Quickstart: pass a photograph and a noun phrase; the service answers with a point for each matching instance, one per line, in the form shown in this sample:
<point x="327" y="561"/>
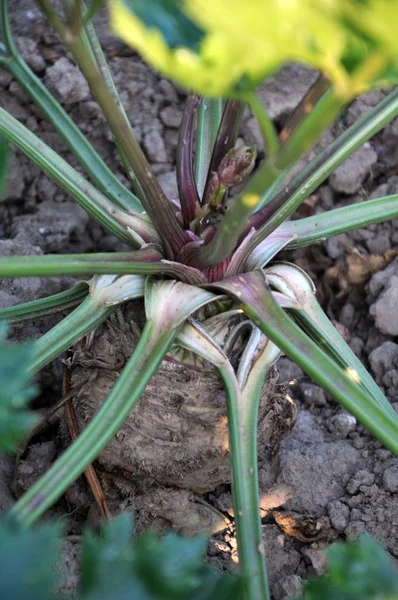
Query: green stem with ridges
<point x="4" y="160"/>
<point x="167" y="305"/>
<point x="306" y="105"/>
<point x="242" y="427"/>
<point x="151" y="194"/>
<point x="5" y="30"/>
<point x="266" y="125"/>
<point x="144" y="362"/>
<point x="309" y="130"/>
<point x="246" y="445"/>
<point x="118" y="263"/>
<point x="313" y="321"/>
<point x="62" y="336"/>
<point x="319" y="169"/>
<point x="99" y="57"/>
<point x="295" y="283"/>
<point x="339" y="220"/>
<point x="70" y="133"/>
<point x="242" y="407"/>
<point x="235" y="220"/>
<point x="209" y="119"/>
<point x="270" y="193"/>
<point x="260" y="306"/>
<point x="86" y="195"/>
<point x="45" y="306"/>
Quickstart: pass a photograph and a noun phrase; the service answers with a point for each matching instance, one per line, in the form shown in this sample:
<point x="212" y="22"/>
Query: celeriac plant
<point x="119" y="564"/>
<point x="211" y="247"/>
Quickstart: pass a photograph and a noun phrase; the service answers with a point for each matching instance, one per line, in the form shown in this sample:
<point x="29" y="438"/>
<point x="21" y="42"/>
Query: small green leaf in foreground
<point x="357" y="570"/>
<point x="15" y="392"/>
<point x="114" y="565"/>
<point x="27" y="561"/>
<point x="170" y="568"/>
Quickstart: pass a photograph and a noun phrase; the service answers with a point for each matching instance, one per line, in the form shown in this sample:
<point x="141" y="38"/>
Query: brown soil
<point x="329" y="479"/>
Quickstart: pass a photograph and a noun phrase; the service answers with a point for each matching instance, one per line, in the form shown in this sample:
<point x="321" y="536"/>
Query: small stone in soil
<point x="66" y="82"/>
<point x="339" y="514"/>
<point x="168" y="182"/>
<point x="384" y="310"/>
<point x="289" y="587"/>
<point x="281" y="557"/>
<point x="390" y="479"/>
<point x="288" y="371"/>
<point x="348" y="177"/>
<point x="317" y="559"/>
<point x="383" y="358"/>
<point x="313" y="395"/>
<point x="342" y="424"/>
<point x="30" y="53"/>
<point x="171" y="116"/>
<point x="38" y="460"/>
<point x="360" y="478"/>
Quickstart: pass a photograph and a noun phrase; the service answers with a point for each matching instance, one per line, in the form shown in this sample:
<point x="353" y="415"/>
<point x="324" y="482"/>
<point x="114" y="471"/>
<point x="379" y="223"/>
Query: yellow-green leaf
<point x="208" y="70"/>
<point x="217" y="46"/>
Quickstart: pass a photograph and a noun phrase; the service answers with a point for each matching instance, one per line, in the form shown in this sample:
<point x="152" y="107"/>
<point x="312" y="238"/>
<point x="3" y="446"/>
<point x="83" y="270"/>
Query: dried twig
<point x="90" y="473"/>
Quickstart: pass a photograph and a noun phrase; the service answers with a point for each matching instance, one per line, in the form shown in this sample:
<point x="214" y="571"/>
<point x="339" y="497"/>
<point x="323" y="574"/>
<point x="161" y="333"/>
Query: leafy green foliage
<point x="27" y="561"/>
<point x="15" y="392"/>
<point x="106" y="561"/>
<point x="112" y="567"/>
<point x="360" y="569"/>
<point x="171" y="568"/>
<point x="237" y="41"/>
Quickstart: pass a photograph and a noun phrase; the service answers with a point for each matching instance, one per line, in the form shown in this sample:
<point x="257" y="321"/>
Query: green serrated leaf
<point x="360" y="569"/>
<point x="170" y="568"/>
<point x="27" y="561"/>
<point x="112" y="566"/>
<point x="107" y="561"/>
<point x="173" y="568"/>
<point x="178" y="564"/>
<point x="15" y="392"/>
